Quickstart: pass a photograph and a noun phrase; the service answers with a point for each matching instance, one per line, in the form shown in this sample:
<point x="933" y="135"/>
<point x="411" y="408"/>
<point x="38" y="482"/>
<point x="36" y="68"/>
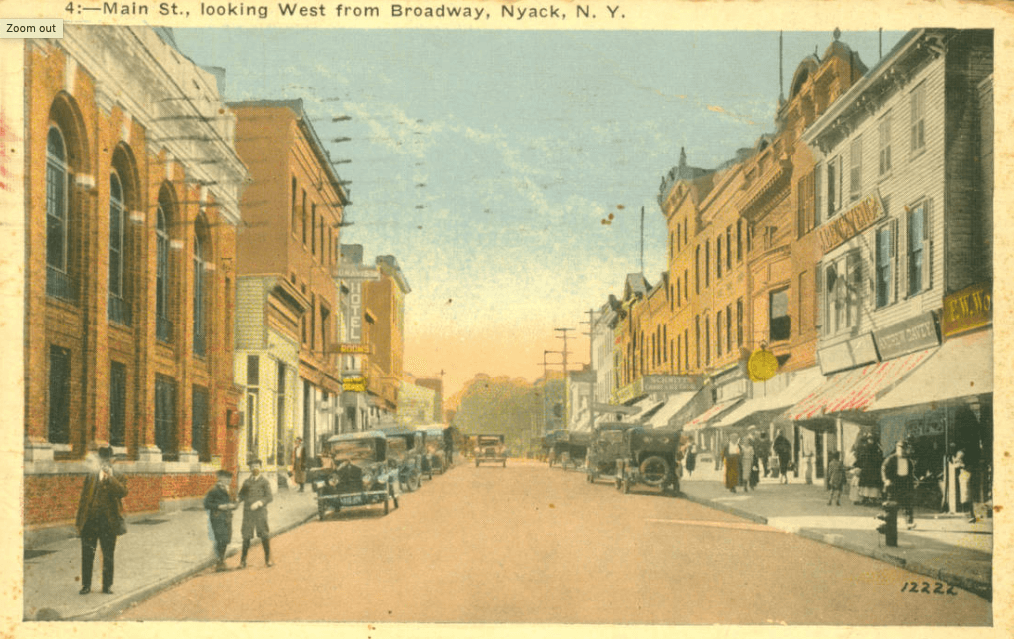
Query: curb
<point x="972" y="585"/>
<point x="117" y="606"/>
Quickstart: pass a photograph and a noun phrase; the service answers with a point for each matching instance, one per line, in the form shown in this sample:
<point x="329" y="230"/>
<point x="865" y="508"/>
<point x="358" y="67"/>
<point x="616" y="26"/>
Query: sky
<point x="487" y="162"/>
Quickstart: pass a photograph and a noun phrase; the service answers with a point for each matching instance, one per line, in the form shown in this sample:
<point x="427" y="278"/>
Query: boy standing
<point x="219" y="505"/>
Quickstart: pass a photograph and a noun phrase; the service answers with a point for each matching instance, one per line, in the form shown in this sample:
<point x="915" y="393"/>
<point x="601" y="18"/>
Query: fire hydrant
<point x="889" y="529"/>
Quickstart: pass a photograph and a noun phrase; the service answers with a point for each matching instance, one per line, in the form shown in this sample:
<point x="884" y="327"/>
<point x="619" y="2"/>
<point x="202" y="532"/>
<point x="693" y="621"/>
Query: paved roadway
<point x="533" y="544"/>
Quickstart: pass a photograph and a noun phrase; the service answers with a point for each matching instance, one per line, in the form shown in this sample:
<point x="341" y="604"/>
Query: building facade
<point x="384" y="331"/>
<point x="288" y="363"/>
<point x="133" y="186"/>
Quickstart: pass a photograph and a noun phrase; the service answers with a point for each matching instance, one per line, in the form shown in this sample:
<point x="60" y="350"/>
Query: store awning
<point x="643" y="406"/>
<point x="714" y="412"/>
<point x="672" y="406"/>
<point x="856" y="389"/>
<point x="802" y="385"/>
<point x="963" y="366"/>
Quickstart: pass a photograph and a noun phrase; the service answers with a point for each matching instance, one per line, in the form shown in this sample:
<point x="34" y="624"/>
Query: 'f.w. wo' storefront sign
<point x="842" y="228"/>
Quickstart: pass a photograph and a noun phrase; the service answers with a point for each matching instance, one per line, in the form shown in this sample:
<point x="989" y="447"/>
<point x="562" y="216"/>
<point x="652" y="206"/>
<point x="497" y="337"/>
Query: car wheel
<point x="655" y="471"/>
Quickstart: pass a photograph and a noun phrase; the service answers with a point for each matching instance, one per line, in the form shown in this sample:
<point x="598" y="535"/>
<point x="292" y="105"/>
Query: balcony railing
<point x="59" y="285"/>
<point x="163" y="329"/>
<point x="119" y="311"/>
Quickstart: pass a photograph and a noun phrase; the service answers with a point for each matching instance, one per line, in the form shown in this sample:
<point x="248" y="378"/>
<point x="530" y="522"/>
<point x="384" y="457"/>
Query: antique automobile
<point x="605" y="449"/>
<point x="650" y="457"/>
<point x="404" y="452"/>
<point x="577" y="449"/>
<point x="354" y="471"/>
<point x="436" y="458"/>
<point x="558" y="446"/>
<point x="490" y="448"/>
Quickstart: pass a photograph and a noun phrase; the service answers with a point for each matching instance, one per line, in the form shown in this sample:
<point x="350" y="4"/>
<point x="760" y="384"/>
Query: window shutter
<point x="927" y="276"/>
<point x="894" y="261"/>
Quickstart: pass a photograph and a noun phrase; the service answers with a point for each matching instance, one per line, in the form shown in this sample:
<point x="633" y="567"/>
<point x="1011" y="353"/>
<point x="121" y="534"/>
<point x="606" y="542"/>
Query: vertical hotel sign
<point x="968" y="309"/>
<point x="857" y="219"/>
<point x="355" y="276"/>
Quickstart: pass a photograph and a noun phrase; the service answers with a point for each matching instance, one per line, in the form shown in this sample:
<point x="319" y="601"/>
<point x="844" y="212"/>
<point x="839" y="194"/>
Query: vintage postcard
<point x="462" y="318"/>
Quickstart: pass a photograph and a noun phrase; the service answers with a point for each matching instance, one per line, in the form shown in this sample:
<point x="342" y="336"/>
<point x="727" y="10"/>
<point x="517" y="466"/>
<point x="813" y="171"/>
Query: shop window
<point x="779" y="321"/>
<point x="59" y="395"/>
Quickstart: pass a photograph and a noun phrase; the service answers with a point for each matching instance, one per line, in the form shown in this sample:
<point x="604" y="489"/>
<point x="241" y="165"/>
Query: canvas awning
<point x="857" y="389"/>
<point x="672" y="406"/>
<point x="802" y="385"/>
<point x="963" y="366"/>
<point x="714" y="412"/>
<point x="643" y="406"/>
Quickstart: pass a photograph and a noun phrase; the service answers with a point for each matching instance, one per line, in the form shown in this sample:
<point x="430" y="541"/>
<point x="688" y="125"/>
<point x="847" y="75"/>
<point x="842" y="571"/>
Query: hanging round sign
<point x="762" y="365"/>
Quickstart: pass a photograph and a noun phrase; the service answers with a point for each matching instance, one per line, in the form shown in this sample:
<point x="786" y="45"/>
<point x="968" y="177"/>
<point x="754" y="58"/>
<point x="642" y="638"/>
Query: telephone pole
<point x="566" y="402"/>
<point x="591" y="368"/>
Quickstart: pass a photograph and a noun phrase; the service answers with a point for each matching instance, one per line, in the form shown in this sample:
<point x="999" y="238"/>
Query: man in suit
<point x="98" y="521"/>
<point x="219" y="505"/>
<point x="255" y="495"/>
<point x="898" y="472"/>
<point x="299" y="463"/>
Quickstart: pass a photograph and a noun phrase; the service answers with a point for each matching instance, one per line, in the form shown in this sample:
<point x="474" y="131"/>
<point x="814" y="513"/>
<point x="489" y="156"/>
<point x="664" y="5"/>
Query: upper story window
<point x="917" y="232"/>
<point x="118" y="311"/>
<point x="295" y="209"/>
<point x="884" y="133"/>
<point x="739" y="240"/>
<point x="697" y="270"/>
<point x="833" y="186"/>
<point x="57" y="281"/>
<point x="779" y="321"/>
<point x="163" y="326"/>
<point x="707" y="262"/>
<point x="886" y="243"/>
<point x="718" y="257"/>
<point x="201" y="256"/>
<point x="728" y="248"/>
<point x="856" y="168"/>
<point x="917" y="122"/>
<point x="842" y="299"/>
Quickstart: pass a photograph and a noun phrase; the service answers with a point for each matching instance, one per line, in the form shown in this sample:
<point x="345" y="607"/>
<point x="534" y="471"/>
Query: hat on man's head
<point x="254" y="462"/>
<point x="224" y="474"/>
<point x="105" y="452"/>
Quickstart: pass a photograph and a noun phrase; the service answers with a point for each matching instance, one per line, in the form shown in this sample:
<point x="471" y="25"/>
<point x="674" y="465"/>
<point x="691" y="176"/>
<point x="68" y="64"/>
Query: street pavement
<point x="164" y="549"/>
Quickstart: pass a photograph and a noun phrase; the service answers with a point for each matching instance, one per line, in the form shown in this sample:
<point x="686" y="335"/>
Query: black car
<point x="437" y="457"/>
<point x="578" y="443"/>
<point x="651" y="457"/>
<point x="558" y="446"/>
<point x="354" y="471"/>
<point x="405" y="451"/>
<point x="605" y="449"/>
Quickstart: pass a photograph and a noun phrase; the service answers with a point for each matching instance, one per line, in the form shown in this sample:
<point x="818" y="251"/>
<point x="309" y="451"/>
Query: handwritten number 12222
<point x="938" y="588"/>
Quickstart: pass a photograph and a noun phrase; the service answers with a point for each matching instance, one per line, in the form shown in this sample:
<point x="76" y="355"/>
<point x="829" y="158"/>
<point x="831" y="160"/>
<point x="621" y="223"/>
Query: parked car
<point x="490" y="448"/>
<point x="405" y="451"/>
<point x="354" y="471"/>
<point x="651" y="457"/>
<point x="577" y="449"/>
<point x="436" y="458"/>
<point x="605" y="449"/>
<point x="558" y="446"/>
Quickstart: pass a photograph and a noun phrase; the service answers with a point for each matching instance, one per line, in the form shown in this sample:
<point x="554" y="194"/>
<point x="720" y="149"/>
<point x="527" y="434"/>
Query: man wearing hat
<point x="255" y="495"/>
<point x="99" y="516"/>
<point x="898" y="472"/>
<point x="219" y="505"/>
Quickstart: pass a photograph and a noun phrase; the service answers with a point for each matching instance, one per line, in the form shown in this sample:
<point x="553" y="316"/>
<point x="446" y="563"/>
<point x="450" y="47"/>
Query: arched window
<point x="163" y="326"/>
<point x="201" y="254"/>
<point x="119" y="310"/>
<point x="58" y="283"/>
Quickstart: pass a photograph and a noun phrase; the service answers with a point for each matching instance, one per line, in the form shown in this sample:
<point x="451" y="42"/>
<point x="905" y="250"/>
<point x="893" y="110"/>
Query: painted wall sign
<point x="670" y="384"/>
<point x="914" y="334"/>
<point x="844" y="227"/>
<point x="969" y="308"/>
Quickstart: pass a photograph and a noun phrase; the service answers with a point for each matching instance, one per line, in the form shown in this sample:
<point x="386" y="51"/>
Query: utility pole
<point x="565" y="352"/>
<point x="545" y="386"/>
<point x="591" y="368"/>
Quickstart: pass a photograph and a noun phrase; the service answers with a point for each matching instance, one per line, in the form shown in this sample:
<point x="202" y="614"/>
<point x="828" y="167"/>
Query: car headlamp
<point x="367" y="479"/>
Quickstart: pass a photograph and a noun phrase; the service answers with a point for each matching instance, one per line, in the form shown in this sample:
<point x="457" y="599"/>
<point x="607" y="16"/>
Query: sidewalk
<point x="158" y="550"/>
<point x="943" y="547"/>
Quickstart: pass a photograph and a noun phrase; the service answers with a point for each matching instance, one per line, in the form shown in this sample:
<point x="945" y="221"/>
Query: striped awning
<point x="856" y="389"/>
<point x="714" y="412"/>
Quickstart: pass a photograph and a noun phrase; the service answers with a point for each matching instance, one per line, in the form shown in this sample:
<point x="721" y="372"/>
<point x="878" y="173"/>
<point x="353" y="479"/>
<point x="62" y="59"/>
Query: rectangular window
<point x="697" y="340"/>
<point x="917" y="123"/>
<point x="679" y="353"/>
<point x="199" y="424"/>
<point x="686" y="349"/>
<point x="801" y="298"/>
<point x="718" y="258"/>
<point x="856" y="169"/>
<point x="686" y="284"/>
<point x="280" y="457"/>
<point x="817" y="173"/>
<point x="739" y="240"/>
<point x="117" y="404"/>
<point x="885" y="259"/>
<point x="854" y="268"/>
<point x="707" y="341"/>
<point x="832" y="183"/>
<point x="304" y="217"/>
<point x="780" y="323"/>
<point x="679" y="292"/>
<point x="917" y="233"/>
<point x="165" y="414"/>
<point x="728" y="248"/>
<point x="697" y="270"/>
<point x="718" y="334"/>
<point x="728" y="328"/>
<point x="707" y="262"/>
<point x="665" y="340"/>
<point x="253" y="370"/>
<point x="313" y="228"/>
<point x="885" y="144"/>
<point x="59" y="395"/>
<point x="739" y="322"/>
<point x="295" y="210"/>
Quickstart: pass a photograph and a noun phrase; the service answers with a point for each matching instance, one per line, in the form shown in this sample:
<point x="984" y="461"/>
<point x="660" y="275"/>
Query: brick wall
<point x="53" y="499"/>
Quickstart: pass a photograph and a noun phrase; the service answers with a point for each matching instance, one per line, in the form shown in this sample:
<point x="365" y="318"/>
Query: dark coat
<point x="835" y="478"/>
<point x="869" y="458"/>
<point x="782" y="447"/>
<point x="890" y="470"/>
<point x="254" y="490"/>
<point x="100" y="502"/>
<point x="221" y="520"/>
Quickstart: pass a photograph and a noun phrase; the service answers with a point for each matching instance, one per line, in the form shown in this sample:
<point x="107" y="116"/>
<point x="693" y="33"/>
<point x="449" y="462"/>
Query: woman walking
<point x="746" y="462"/>
<point x="730" y="457"/>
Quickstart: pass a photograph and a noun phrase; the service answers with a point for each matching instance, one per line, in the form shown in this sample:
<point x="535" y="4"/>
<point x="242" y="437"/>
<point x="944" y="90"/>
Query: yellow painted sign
<point x="762" y="365"/>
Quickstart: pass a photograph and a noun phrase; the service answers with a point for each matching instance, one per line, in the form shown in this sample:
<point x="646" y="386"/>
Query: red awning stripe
<point x="855" y="390"/>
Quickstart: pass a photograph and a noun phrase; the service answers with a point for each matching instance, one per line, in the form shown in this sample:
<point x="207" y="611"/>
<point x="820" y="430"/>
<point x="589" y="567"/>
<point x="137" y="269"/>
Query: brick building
<point x="289" y="303"/>
<point x="132" y="201"/>
<point x="384" y="331"/>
